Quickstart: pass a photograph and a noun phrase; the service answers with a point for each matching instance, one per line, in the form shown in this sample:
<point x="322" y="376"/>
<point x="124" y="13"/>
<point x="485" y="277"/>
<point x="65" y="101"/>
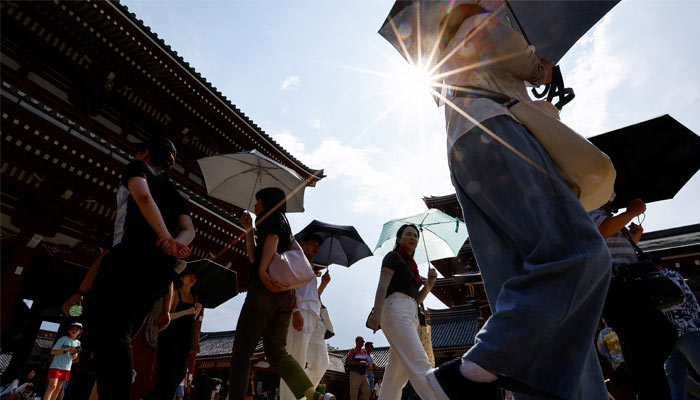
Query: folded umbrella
<point x="215" y="285"/>
<point x="340" y="244"/>
<point x="441" y="236"/>
<point x="653" y="159"/>
<point x="235" y="178"/>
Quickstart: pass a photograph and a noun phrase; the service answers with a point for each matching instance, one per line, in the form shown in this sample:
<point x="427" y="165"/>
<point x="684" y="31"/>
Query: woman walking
<point x="268" y="307"/>
<point x="179" y="339"/>
<point x="544" y="265"/>
<point x="396" y="308"/>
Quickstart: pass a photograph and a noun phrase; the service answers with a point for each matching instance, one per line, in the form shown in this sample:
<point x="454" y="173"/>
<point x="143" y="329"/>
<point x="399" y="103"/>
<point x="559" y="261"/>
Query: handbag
<point x="291" y="268"/>
<point x="588" y="171"/>
<point x="425" y="335"/>
<point x="327" y="323"/>
<point x="648" y="282"/>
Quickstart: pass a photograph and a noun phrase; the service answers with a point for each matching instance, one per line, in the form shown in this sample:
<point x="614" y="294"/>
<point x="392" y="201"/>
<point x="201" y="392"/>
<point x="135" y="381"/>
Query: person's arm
<point x="247" y="223"/>
<point x="269" y="250"/>
<point x="138" y="188"/>
<point x="375" y="317"/>
<point x="185" y="236"/>
<point x="432" y="277"/>
<point x="612" y="225"/>
<point x="519" y="57"/>
<point x="85" y="285"/>
<point x="164" y="317"/>
<point x="175" y="315"/>
<point x="325" y="280"/>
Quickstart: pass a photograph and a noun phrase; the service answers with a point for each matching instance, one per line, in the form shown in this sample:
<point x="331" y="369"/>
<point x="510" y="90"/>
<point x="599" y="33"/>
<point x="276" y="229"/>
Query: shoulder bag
<point x="291" y="268"/>
<point x="644" y="278"/>
<point x="425" y="334"/>
<point x="589" y="171"/>
<point x="327" y="323"/>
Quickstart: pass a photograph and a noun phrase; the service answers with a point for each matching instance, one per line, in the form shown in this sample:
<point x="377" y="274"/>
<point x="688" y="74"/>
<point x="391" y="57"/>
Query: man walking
<point x="357" y="364"/>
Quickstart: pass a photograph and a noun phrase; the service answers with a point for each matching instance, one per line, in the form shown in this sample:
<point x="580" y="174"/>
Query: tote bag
<point x="589" y="171"/>
<point x="291" y="268"/>
<point x="326" y="319"/>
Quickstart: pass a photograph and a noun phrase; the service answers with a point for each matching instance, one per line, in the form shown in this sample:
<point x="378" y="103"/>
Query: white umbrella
<point x="235" y="178"/>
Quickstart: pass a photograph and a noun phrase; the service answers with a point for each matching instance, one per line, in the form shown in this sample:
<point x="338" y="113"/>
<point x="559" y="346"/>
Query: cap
<point x="76" y="324"/>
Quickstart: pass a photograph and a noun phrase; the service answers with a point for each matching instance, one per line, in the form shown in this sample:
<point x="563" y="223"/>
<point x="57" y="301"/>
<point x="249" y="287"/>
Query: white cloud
<point x="316" y="124"/>
<point x="291" y="82"/>
<point x="596" y="73"/>
<point x="290" y="142"/>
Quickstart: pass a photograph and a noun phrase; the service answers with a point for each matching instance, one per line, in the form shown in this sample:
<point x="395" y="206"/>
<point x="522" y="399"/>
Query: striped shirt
<point x="621" y="249"/>
<point x="686" y="315"/>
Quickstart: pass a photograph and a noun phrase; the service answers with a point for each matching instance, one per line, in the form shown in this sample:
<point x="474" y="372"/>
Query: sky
<point x="316" y="76"/>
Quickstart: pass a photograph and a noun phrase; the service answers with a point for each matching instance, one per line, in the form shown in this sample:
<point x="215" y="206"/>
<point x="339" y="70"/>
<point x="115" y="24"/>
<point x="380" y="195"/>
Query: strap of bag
<point x="291" y="236"/>
<point x="640" y="253"/>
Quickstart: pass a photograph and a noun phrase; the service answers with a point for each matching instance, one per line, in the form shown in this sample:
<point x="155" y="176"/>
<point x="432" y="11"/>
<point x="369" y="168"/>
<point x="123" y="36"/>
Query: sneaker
<point x="448" y="383"/>
<point x="326" y="396"/>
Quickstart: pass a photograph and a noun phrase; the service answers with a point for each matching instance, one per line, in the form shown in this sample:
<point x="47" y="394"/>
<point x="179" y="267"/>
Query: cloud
<point x="384" y="182"/>
<point x="597" y="72"/>
<point x="316" y="124"/>
<point x="290" y="142"/>
<point x="291" y="82"/>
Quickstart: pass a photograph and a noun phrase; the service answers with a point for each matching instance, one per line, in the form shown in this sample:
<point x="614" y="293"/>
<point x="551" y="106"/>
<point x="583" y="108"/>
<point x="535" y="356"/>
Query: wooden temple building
<point x="82" y="83"/>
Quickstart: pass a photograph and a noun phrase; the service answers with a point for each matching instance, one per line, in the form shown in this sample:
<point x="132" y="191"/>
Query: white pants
<point x="309" y="349"/>
<point x="407" y="358"/>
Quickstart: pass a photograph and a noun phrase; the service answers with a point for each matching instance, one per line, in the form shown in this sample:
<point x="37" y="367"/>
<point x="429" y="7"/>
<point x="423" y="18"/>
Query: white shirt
<point x="307" y="297"/>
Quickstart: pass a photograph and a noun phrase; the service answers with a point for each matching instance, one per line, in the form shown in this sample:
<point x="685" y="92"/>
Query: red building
<point x="83" y="82"/>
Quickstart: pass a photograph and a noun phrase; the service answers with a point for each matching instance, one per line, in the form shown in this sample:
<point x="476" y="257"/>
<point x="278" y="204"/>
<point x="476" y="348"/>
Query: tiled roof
<point x="216" y="344"/>
<point x="670" y="238"/>
<point x="335" y="363"/>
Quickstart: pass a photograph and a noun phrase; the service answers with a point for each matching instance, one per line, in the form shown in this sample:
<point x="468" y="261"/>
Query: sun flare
<point x="413" y="82"/>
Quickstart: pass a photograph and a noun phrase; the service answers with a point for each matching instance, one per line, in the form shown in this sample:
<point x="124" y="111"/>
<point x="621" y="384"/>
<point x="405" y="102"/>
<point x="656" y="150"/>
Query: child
<point x="65" y="351"/>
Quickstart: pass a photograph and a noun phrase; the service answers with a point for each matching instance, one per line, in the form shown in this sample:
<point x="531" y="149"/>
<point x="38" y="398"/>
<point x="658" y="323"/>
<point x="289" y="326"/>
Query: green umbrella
<point x="441" y="236"/>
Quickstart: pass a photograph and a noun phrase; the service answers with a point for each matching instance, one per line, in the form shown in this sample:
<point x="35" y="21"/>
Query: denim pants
<point x="407" y="358"/>
<point x="545" y="266"/>
<point x="686" y="353"/>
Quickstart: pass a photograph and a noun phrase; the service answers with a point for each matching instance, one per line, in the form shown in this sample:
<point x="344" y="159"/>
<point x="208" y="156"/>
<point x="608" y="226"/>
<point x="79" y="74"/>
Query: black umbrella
<point x="553" y="26"/>
<point x="215" y="284"/>
<point x="340" y="244"/>
<point x="653" y="159"/>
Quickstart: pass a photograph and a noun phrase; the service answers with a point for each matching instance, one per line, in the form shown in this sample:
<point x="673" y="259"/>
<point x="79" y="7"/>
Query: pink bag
<point x="291" y="268"/>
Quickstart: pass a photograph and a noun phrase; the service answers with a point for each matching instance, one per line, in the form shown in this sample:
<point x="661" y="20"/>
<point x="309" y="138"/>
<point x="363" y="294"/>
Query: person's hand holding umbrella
<point x="636" y="232"/>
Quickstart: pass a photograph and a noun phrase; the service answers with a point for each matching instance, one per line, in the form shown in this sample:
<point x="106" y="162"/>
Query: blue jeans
<point x="685" y="354"/>
<point x="545" y="267"/>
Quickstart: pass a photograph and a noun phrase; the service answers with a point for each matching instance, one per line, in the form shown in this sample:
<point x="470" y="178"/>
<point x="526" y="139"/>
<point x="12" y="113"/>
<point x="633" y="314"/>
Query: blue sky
<point x="317" y="77"/>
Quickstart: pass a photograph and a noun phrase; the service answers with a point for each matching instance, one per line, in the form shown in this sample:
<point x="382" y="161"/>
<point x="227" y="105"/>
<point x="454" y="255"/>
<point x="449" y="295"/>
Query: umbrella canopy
<point x="215" y="284"/>
<point x="653" y="159"/>
<point x="441" y="236"/>
<point x="553" y="27"/>
<point x="235" y="178"/>
<point x="340" y="244"/>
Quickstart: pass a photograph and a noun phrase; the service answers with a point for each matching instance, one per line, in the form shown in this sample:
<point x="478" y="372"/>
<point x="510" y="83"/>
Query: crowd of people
<point x="550" y="271"/>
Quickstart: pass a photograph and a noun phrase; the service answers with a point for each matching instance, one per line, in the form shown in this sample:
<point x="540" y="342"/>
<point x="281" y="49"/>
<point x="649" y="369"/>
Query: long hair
<point x="400" y="232"/>
<point x="273" y="199"/>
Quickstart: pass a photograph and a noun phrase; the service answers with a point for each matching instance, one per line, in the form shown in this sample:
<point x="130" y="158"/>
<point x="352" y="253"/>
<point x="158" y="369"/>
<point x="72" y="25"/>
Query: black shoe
<point x="448" y="383"/>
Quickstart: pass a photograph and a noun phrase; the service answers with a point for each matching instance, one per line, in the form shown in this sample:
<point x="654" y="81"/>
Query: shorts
<point x="60" y="374"/>
<point x="180" y="391"/>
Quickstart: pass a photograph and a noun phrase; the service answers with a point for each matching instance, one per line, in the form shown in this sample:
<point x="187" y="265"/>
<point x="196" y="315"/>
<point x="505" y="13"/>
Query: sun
<point x="413" y="82"/>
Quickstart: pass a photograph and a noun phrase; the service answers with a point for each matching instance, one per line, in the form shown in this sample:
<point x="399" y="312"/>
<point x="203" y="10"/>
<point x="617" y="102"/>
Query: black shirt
<point x="403" y="280"/>
<point x="171" y="204"/>
<point x="274" y="223"/>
